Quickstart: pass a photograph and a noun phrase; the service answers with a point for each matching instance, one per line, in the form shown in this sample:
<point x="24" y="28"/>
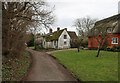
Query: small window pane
<point x="65" y="43"/>
<point x="65" y="36"/>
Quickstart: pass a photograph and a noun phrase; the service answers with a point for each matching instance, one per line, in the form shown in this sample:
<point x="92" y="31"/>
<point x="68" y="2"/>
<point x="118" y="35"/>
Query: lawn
<point x="86" y="67"/>
<point x="15" y="69"/>
<point x="32" y="47"/>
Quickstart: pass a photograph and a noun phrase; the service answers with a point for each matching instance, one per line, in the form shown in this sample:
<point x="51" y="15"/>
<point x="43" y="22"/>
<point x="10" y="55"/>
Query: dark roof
<point x="73" y="35"/>
<point x="112" y="18"/>
<point x="111" y="22"/>
<point x="55" y="35"/>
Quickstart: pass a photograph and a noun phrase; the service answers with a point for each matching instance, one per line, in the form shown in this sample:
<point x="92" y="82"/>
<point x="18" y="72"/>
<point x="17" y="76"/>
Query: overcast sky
<point x="66" y="11"/>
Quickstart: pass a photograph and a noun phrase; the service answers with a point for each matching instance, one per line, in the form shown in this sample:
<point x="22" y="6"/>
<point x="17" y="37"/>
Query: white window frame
<point x="113" y="42"/>
<point x="109" y="30"/>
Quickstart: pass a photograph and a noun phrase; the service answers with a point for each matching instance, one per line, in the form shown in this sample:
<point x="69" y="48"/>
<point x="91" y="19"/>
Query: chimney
<point x="50" y="30"/>
<point x="66" y="29"/>
<point x="58" y="28"/>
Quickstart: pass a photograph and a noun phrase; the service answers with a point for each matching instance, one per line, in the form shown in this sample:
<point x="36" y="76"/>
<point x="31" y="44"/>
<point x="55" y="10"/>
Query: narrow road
<point x="46" y="68"/>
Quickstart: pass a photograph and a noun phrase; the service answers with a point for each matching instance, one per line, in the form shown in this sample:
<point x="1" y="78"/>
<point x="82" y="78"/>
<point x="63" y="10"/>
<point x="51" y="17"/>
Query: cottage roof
<point x="55" y="35"/>
<point x="73" y="35"/>
<point x="111" y="22"/>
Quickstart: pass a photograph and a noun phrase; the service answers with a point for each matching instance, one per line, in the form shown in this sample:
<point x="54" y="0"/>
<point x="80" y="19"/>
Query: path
<point x="46" y="68"/>
<point x="60" y="50"/>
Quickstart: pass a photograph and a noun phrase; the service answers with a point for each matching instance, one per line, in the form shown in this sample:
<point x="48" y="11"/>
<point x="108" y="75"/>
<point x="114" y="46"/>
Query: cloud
<point x="67" y="11"/>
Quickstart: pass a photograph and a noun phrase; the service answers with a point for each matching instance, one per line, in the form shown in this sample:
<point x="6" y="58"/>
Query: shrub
<point x="114" y="48"/>
<point x="84" y="43"/>
<point x="108" y="49"/>
<point x="38" y="44"/>
<point x="81" y="47"/>
<point x="31" y="42"/>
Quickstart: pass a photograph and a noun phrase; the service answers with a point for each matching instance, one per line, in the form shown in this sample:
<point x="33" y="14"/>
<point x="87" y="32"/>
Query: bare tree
<point x="18" y="18"/>
<point x="44" y="18"/>
<point x="84" y="25"/>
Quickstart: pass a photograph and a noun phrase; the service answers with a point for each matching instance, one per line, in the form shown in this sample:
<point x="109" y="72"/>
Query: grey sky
<point x="67" y="11"/>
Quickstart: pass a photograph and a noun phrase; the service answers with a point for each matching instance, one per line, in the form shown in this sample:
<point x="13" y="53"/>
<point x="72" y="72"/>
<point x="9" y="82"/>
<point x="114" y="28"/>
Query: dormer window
<point x="65" y="36"/>
<point x="109" y="30"/>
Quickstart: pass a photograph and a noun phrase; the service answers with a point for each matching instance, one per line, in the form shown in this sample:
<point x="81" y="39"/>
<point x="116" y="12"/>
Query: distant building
<point x="60" y="39"/>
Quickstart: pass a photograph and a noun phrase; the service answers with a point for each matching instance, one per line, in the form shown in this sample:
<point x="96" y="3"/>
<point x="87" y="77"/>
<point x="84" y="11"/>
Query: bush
<point x="81" y="47"/>
<point x="108" y="49"/>
<point x="84" y="43"/>
<point x="114" y="48"/>
<point x="38" y="45"/>
<point x="31" y="42"/>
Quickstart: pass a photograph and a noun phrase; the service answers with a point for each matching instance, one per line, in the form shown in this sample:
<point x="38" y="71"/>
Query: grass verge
<point x="85" y="66"/>
<point x="15" y="69"/>
<point x="32" y="47"/>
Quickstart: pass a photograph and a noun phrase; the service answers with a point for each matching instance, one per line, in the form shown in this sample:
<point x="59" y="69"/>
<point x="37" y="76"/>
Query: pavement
<point x="46" y="68"/>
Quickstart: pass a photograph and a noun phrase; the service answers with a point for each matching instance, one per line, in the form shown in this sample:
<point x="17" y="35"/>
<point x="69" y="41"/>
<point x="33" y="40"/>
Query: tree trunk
<point x="98" y="52"/>
<point x="78" y="49"/>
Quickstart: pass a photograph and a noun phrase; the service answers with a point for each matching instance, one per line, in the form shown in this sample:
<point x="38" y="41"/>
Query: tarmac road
<point x="46" y="68"/>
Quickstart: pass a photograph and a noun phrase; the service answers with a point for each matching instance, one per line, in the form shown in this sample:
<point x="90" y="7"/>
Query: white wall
<point x="46" y="44"/>
<point x="61" y="40"/>
<point x="49" y="44"/>
<point x="43" y="42"/>
<point x="54" y="45"/>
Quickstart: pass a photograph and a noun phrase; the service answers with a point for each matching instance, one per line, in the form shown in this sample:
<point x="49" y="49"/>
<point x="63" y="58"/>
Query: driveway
<point x="46" y="68"/>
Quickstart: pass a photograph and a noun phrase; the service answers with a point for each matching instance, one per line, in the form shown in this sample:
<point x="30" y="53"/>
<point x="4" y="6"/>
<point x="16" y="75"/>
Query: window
<point x="65" y="36"/>
<point x="109" y="30"/>
<point x="114" y="40"/>
<point x="65" y="43"/>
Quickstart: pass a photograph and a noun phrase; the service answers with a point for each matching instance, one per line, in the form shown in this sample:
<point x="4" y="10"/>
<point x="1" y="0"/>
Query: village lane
<point x="46" y="68"/>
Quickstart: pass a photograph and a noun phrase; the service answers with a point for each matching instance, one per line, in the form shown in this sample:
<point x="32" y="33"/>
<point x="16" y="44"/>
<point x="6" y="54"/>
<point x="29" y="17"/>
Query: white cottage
<point x="60" y="39"/>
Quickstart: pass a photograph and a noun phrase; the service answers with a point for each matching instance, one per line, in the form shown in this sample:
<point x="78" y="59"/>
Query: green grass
<point x="15" y="69"/>
<point x="33" y="47"/>
<point x="87" y="67"/>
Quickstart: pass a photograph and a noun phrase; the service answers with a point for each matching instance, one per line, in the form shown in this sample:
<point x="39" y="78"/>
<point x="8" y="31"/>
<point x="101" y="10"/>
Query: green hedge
<point x="114" y="48"/>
